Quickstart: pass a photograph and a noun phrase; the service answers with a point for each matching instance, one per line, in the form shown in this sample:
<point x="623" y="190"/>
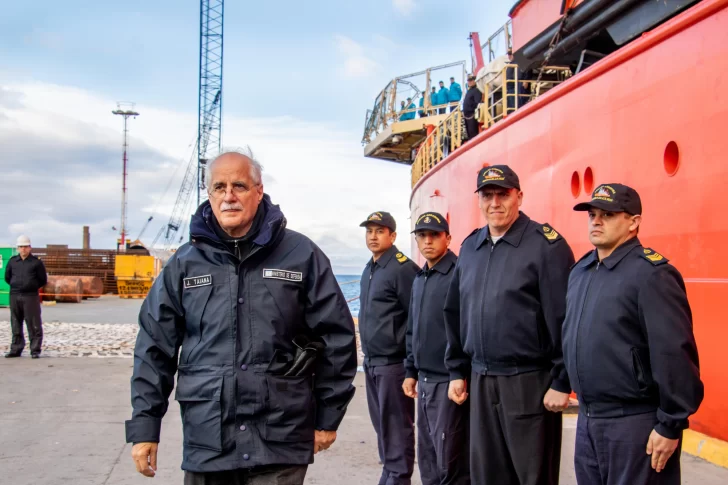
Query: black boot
<point x="10" y="355"/>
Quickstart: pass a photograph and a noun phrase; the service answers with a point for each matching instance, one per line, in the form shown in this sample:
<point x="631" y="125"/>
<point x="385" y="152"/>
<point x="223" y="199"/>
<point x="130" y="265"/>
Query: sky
<point x="298" y="79"/>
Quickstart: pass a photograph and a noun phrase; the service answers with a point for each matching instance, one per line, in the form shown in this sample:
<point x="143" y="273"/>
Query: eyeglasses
<point x="238" y="189"/>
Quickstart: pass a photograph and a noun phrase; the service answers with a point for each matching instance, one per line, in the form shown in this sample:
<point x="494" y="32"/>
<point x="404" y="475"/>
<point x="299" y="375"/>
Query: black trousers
<point x="471" y="127"/>
<point x="442" y="436"/>
<point x="264" y="475"/>
<point x="611" y="451"/>
<point x="25" y="307"/>
<point x="393" y="415"/>
<point x="514" y="440"/>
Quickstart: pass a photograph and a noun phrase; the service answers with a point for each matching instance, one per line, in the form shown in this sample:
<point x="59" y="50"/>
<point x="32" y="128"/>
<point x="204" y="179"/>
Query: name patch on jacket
<point x="281" y="274"/>
<point x="197" y="281"/>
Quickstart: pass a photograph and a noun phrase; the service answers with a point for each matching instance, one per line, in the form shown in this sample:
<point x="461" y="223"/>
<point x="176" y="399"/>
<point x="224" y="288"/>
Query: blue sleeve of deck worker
<point x="665" y="313"/>
<point x="328" y="316"/>
<point x="443" y="96"/>
<point x="553" y="282"/>
<point x="456" y="361"/>
<point x="411" y="116"/>
<point x="161" y="330"/>
<point x="456" y="92"/>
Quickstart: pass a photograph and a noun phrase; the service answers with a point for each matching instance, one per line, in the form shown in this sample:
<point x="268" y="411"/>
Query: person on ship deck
<point x="443" y="96"/>
<point x="503" y="314"/>
<point x="455" y="94"/>
<point x="629" y="350"/>
<point x="472" y="98"/>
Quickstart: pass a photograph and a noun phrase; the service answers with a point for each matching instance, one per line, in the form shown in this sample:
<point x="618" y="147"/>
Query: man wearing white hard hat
<point x="26" y="275"/>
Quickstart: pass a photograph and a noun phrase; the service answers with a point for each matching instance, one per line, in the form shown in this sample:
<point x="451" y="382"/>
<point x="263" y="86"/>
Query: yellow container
<point x="134" y="275"/>
<point x="134" y="266"/>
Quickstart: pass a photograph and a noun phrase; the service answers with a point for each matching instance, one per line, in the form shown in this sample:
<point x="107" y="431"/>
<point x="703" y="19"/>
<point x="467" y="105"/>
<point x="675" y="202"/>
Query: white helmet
<point x="23" y="241"/>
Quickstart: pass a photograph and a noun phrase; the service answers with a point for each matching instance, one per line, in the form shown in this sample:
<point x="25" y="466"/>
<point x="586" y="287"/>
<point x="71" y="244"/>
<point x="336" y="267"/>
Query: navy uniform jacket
<point x="231" y="319"/>
<point x="426" y="340"/>
<point x="628" y="338"/>
<point x="506" y="303"/>
<point x="385" y="296"/>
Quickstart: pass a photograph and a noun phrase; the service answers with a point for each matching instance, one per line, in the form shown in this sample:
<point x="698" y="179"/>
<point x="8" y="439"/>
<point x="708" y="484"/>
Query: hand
<point x="456" y="392"/>
<point x="145" y="458"/>
<point x="661" y="449"/>
<point x="322" y="440"/>
<point x="555" y="401"/>
<point x="409" y="386"/>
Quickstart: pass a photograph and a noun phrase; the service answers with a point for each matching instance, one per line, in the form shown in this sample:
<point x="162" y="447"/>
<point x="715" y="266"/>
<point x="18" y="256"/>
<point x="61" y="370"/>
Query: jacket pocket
<point x="291" y="409"/>
<point x="641" y="369"/>
<point x="199" y="401"/>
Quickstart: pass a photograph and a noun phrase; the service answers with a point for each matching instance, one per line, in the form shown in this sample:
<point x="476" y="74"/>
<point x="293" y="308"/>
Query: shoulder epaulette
<point x="401" y="258"/>
<point x="653" y="256"/>
<point x="549" y="233"/>
<point x="582" y="258"/>
<point x="475" y="231"/>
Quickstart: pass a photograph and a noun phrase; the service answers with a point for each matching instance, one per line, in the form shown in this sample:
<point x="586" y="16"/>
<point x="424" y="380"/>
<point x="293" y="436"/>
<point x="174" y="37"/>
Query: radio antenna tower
<point x="126" y="110"/>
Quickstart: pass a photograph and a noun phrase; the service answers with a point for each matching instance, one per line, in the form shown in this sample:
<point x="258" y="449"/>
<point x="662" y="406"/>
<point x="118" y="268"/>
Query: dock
<point x="62" y="416"/>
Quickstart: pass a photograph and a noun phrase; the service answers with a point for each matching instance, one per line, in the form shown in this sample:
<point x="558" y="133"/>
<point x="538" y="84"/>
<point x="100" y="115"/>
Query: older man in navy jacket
<point x="250" y="317"/>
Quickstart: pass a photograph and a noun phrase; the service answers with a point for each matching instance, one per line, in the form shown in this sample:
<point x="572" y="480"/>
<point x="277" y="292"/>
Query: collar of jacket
<point x="613" y="259"/>
<point x="443" y="266"/>
<point x="384" y="258"/>
<point x="512" y="236"/>
<point x="201" y="224"/>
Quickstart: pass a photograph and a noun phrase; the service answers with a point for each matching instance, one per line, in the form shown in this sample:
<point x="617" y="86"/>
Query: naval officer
<point x="503" y="315"/>
<point x="386" y="284"/>
<point x="442" y="425"/>
<point x="629" y="350"/>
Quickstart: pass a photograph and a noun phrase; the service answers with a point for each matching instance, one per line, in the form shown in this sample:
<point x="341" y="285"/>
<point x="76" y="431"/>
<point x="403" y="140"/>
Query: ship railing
<point x="445" y="138"/>
<point x="504" y="92"/>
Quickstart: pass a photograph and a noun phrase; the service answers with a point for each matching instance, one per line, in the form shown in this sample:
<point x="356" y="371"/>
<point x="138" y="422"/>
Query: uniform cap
<point x="432" y="221"/>
<point x="614" y="198"/>
<point x="380" y="218"/>
<point x="500" y="175"/>
<point x="23" y="241"/>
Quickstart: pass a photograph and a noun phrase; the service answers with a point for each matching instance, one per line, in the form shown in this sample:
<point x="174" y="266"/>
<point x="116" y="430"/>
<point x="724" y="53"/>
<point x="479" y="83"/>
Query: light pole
<point x="126" y="110"/>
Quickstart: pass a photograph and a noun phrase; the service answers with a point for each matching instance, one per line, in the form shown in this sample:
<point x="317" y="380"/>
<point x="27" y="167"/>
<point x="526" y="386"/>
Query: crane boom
<point x="208" y="122"/>
<point x="209" y="113"/>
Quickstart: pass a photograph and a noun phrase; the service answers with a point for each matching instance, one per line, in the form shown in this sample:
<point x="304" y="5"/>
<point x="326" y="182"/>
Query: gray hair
<point x="256" y="169"/>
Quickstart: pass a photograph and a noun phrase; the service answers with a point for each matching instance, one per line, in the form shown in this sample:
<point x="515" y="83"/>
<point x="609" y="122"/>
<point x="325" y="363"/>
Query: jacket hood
<point x="273" y="223"/>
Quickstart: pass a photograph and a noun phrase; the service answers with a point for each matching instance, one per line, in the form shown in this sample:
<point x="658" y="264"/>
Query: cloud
<point x="355" y="63"/>
<point x="404" y="7"/>
<point x="61" y="166"/>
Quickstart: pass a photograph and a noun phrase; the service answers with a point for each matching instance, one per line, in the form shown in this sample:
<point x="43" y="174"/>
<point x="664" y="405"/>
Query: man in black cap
<point x="629" y="350"/>
<point x="386" y="284"/>
<point x="442" y="425"/>
<point x="503" y="315"/>
<point x="472" y="98"/>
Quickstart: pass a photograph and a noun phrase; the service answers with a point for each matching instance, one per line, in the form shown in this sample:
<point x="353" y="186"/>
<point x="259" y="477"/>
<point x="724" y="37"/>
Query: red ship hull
<point x="652" y="115"/>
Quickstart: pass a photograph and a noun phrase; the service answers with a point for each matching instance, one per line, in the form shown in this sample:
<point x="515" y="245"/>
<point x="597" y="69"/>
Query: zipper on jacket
<point x="578" y="326"/>
<point x="366" y="303"/>
<point x="485" y="286"/>
<point x="419" y="327"/>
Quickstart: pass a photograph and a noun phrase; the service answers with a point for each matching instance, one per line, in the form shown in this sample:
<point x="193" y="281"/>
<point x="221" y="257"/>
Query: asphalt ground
<point x="62" y="422"/>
